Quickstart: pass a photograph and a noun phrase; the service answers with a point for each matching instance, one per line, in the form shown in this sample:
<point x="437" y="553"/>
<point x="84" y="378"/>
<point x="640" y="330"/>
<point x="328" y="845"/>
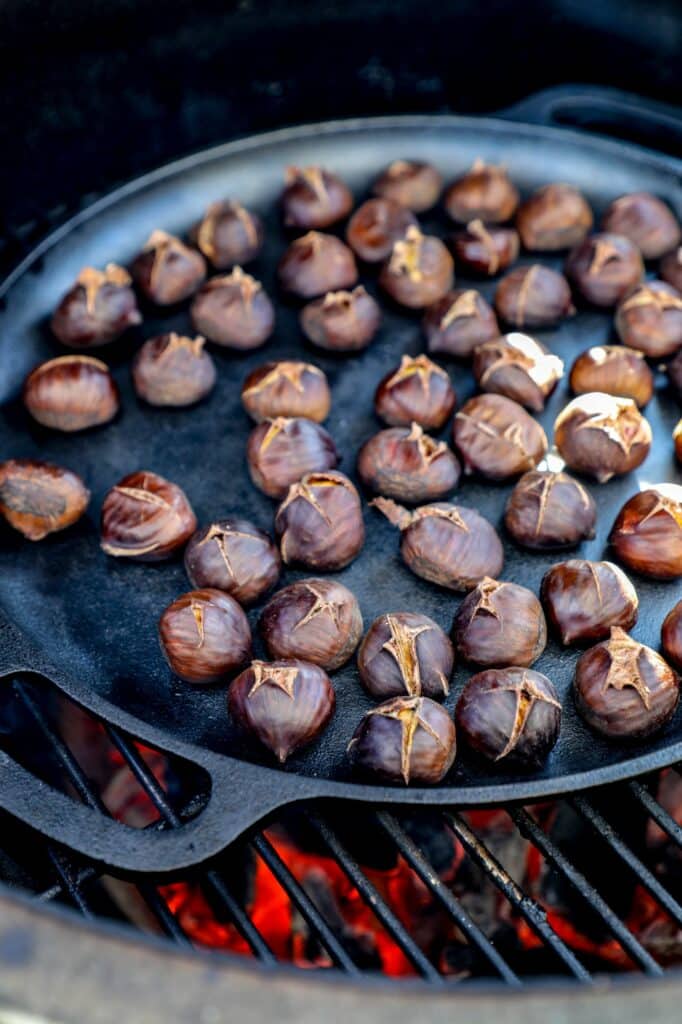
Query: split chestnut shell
<point x="281" y="451"/>
<point x="99" y="307"/>
<point x="420" y="270"/>
<point x="145" y="518"/>
<point x="549" y="510"/>
<point x="168" y="271"/>
<point x="497" y="438"/>
<point x="235" y="556"/>
<point x="406" y="739"/>
<point x="408" y="465"/>
<point x="286" y="388"/>
<point x="37" y="498"/>
<point x="602" y="435"/>
<point x="519" y="368"/>
<point x="583" y="600"/>
<point x="205" y="636"/>
<point x="417" y="391"/>
<point x="498" y="624"/>
<point x="458" y="322"/>
<point x="405" y="654"/>
<point x="318" y="620"/>
<point x="319" y="523"/>
<point x="414" y="184"/>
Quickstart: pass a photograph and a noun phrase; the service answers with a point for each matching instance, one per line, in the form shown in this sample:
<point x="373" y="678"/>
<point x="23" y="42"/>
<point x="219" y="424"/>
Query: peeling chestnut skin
<point x="341" y="321"/>
<point x="173" y="370"/>
<point x="496" y="438"/>
<point x="233" y="311"/>
<point x="604" y="267"/>
<point x="555" y="217"/>
<point x="518" y="367"/>
<point x="547" y="511"/>
<point x="376" y="226"/>
<point x="315" y="264"/>
<point x="314" y="198"/>
<point x="205" y="636"/>
<point x="286" y="388"/>
<point x="281" y="451"/>
<point x="166" y="270"/>
<point x="284" y="704"/>
<point x="614" y="370"/>
<point x="406" y="739"/>
<point x="647" y="533"/>
<point x="650" y="319"/>
<point x="417" y="391"/>
<point x="71" y="393"/>
<point x="533" y="296"/>
<point x="229" y="235"/>
<point x="602" y="435"/>
<point x="509" y="714"/>
<point x="670" y="268"/>
<point x="420" y="270"/>
<point x="145" y="518"/>
<point x="646" y="220"/>
<point x="319" y="524"/>
<point x="583" y="600"/>
<point x="315" y="619"/>
<point x="99" y="307"/>
<point x="483" y="193"/>
<point x="499" y="624"/>
<point x="485" y="250"/>
<point x="623" y="689"/>
<point x="446" y="544"/>
<point x="406" y="655"/>
<point x="458" y="322"/>
<point x="37" y="498"/>
<point x="408" y="465"/>
<point x="671" y="636"/>
<point x="235" y="556"/>
<point x="413" y="184"/>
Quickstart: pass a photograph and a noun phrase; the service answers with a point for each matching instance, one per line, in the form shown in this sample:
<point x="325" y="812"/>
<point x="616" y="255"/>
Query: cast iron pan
<point x="88" y="622"/>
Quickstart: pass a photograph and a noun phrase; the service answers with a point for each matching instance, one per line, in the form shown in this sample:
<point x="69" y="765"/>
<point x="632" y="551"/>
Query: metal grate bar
<point x="70" y="884"/>
<point x="143" y="774"/>
<point x="651" y="805"/>
<point x="165" y="917"/>
<point x="229" y="905"/>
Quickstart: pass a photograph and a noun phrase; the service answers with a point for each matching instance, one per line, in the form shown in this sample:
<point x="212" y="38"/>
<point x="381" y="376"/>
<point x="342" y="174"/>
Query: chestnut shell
<point x="584" y="599"/>
<point x="484" y="193"/>
<point x="548" y="510"/>
<point x="145" y="518"/>
<point x="647" y="533"/>
<point x="649" y="319"/>
<point x="603" y="267"/>
<point x="498" y="624"/>
<point x="286" y="388"/>
<point x="555" y="217"/>
<point x="614" y="370"/>
<point x="166" y="270"/>
<point x="602" y="435"/>
<point x="497" y="438"/>
<point x="235" y="556"/>
<point x="417" y="391"/>
<point x="233" y="311"/>
<point x="314" y="198"/>
<point x="281" y="451"/>
<point x="485" y="250"/>
<point x="420" y="270"/>
<point x="646" y="220"/>
<point x="205" y="636"/>
<point x="406" y="739"/>
<point x="97" y="309"/>
<point x="172" y="370"/>
<point x="71" y="393"/>
<point x="671" y="636"/>
<point x="518" y="367"/>
<point x="458" y="322"/>
<point x="408" y="465"/>
<point x="316" y="263"/>
<point x="228" y="234"/>
<point x="376" y="226"/>
<point x="37" y="498"/>
<point x="341" y="321"/>
<point x="405" y="654"/>
<point x="413" y="184"/>
<point x="534" y="296"/>
<point x="319" y="523"/>
<point x="318" y="620"/>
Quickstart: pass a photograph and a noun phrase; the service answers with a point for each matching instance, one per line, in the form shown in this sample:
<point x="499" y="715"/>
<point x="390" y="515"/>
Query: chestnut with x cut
<point x="145" y="518"/>
<point x="484" y="193"/>
<point x="649" y="319"/>
<point x="419" y="271"/>
<point x="458" y="322"/>
<point x="485" y="250"/>
<point x="407" y="739"/>
<point x="229" y="234"/>
<point x="314" y="198"/>
<point x="418" y="391"/>
<point x="549" y="510"/>
<point x="99" y="307"/>
<point x="317" y="620"/>
<point x="500" y="623"/>
<point x="167" y="271"/>
<point x="647" y="533"/>
<point x="414" y="184"/>
<point x="281" y="451"/>
<point x="233" y="311"/>
<point x="341" y="321"/>
<point x="405" y="654"/>
<point x="602" y="435"/>
<point x="519" y="368"/>
<point x="287" y="388"/>
<point x="235" y="556"/>
<point x="205" y="636"/>
<point x="497" y="438"/>
<point x="407" y="465"/>
<point x="604" y="267"/>
<point x="319" y="523"/>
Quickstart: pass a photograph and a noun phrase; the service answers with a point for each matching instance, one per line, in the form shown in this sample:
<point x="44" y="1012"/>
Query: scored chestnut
<point x="420" y="270"/>
<point x="316" y="620"/>
<point x="376" y="226"/>
<point x="205" y="636"/>
<point x="602" y="435"/>
<point x="145" y="518"/>
<point x="319" y="524"/>
<point x="458" y="322"/>
<point x="604" y="267"/>
<point x="485" y="250"/>
<point x="497" y="438"/>
<point x="556" y="216"/>
<point x="500" y="624"/>
<point x="233" y="311"/>
<point x="418" y="391"/>
<point x="315" y="264"/>
<point x="341" y="321"/>
<point x="585" y="599"/>
<point x="99" y="307"/>
<point x="406" y="655"/>
<point x="613" y="370"/>
<point x="483" y="193"/>
<point x="166" y="270"/>
<point x="286" y="388"/>
<point x="280" y="451"/>
<point x="533" y="296"/>
<point x="518" y="367"/>
<point x="670" y="268"/>
<point x="314" y="198"/>
<point x="671" y="636"/>
<point x="548" y="510"/>
<point x="408" y="465"/>
<point x="37" y="498"/>
<point x="71" y="393"/>
<point x="646" y="220"/>
<point x="173" y="370"/>
<point x="650" y="319"/>
<point x="413" y="184"/>
<point x="228" y="235"/>
<point x="235" y="556"/>
<point x="647" y="533"/>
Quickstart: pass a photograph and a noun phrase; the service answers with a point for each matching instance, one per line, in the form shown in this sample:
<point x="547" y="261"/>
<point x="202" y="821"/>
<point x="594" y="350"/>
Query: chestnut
<point x="677" y="440"/>
<point x="145" y="518"/>
<point x="585" y="599"/>
<point x="450" y="545"/>
<point x="341" y="321"/>
<point x="549" y="510"/>
<point x="286" y="388"/>
<point x="419" y="271"/>
<point x="316" y="620"/>
<point x="376" y="226"/>
<point x="319" y="524"/>
<point x="650" y="319"/>
<point x="671" y="636"/>
<point x="314" y="198"/>
<point x="406" y="655"/>
<point x="407" y="465"/>
<point x="71" y="393"/>
<point x="166" y="270"/>
<point x="172" y="370"/>
<point x="602" y="435"/>
<point x="413" y="184"/>
<point x="670" y="268"/>
<point x="458" y="322"/>
<point x="233" y="311"/>
<point x="99" y="307"/>
<point x="418" y="391"/>
<point x="623" y="689"/>
<point x="406" y="739"/>
<point x="485" y="250"/>
<point x="613" y="370"/>
<point x="533" y="296"/>
<point x="604" y="267"/>
<point x="235" y="556"/>
<point x="497" y="438"/>
<point x="280" y="451"/>
<point x="556" y="216"/>
<point x="518" y="367"/>
<point x="483" y="193"/>
<point x="647" y="533"/>
<point x="229" y="235"/>
<point x="284" y="704"/>
<point x="509" y="714"/>
<point x="37" y="498"/>
<point x="499" y="624"/>
<point x="316" y="263"/>
<point x="645" y="220"/>
<point x="205" y="636"/>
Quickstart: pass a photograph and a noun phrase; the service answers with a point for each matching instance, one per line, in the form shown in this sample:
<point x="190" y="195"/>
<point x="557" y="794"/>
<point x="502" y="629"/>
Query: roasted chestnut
<point x="418" y="391"/>
<point x="533" y="296"/>
<point x="145" y="518"/>
<point x="555" y="217"/>
<point x="413" y="184"/>
<point x="419" y="271"/>
<point x="458" y="322"/>
<point x="319" y="523"/>
<point x="173" y="370"/>
<point x="167" y="271"/>
<point x="485" y="250"/>
<point x="406" y="739"/>
<point x="285" y="704"/>
<point x="671" y="636"/>
<point x="446" y="544"/>
<point x="37" y="498"/>
<point x="623" y="689"/>
<point x="604" y="267"/>
<point x="286" y="389"/>
<point x="650" y="319"/>
<point x="99" y="307"/>
<point x="205" y="636"/>
<point x="406" y="655"/>
<point x="613" y="370"/>
<point x="647" y="533"/>
<point x="499" y="624"/>
<point x="583" y="600"/>
<point x="229" y="235"/>
<point x="234" y="311"/>
<point x="71" y="393"/>
<point x="341" y="321"/>
<point x="677" y="440"/>
<point x="645" y="220"/>
<point x="376" y="226"/>
<point x="497" y="438"/>
<point x="670" y="268"/>
<point x="315" y="264"/>
<point x="483" y="193"/>
<point x="235" y="556"/>
<point x="281" y="451"/>
<point x="408" y="465"/>
<point x="314" y="198"/>
<point x="316" y="620"/>
<point x="511" y="715"/>
<point x="602" y="435"/>
<point x="549" y="510"/>
<point x="519" y="368"/>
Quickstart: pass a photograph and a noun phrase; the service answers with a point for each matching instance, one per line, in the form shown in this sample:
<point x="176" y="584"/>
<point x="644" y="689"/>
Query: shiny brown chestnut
<point x="406" y="739"/>
<point x="229" y="235"/>
<point x="647" y="533"/>
<point x="623" y="689"/>
<point x="314" y="198"/>
<point x="413" y="184"/>
<point x="583" y="600"/>
<point x="518" y="367"/>
<point x="646" y="220"/>
<point x="281" y="451"/>
<point x="71" y="393"/>
<point x="166" y="270"/>
<point x="533" y="296"/>
<point x="496" y="438"/>
<point x="408" y="465"/>
<point x="37" y="498"/>
<point x="613" y="370"/>
<point x="446" y="544"/>
<point x="604" y="267"/>
<point x="485" y="250"/>
<point x="316" y="620"/>
<point x="500" y="624"/>
<point x="406" y="655"/>
<point x="671" y="636"/>
<point x="319" y="524"/>
<point x="483" y="193"/>
<point x="173" y="370"/>
<point x="511" y="715"/>
<point x="376" y="226"/>
<point x="458" y="322"/>
<point x="145" y="518"/>
<point x="548" y="510"/>
<point x="419" y="271"/>
<point x="233" y="311"/>
<point x="99" y="307"/>
<point x="341" y="321"/>
<point x="555" y="217"/>
<point x="418" y="391"/>
<point x="670" y="268"/>
<point x="235" y="556"/>
<point x="602" y="435"/>
<point x="205" y="636"/>
<point x="650" y="319"/>
<point x="286" y="388"/>
<point x="284" y="704"/>
<point x="315" y="264"/>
